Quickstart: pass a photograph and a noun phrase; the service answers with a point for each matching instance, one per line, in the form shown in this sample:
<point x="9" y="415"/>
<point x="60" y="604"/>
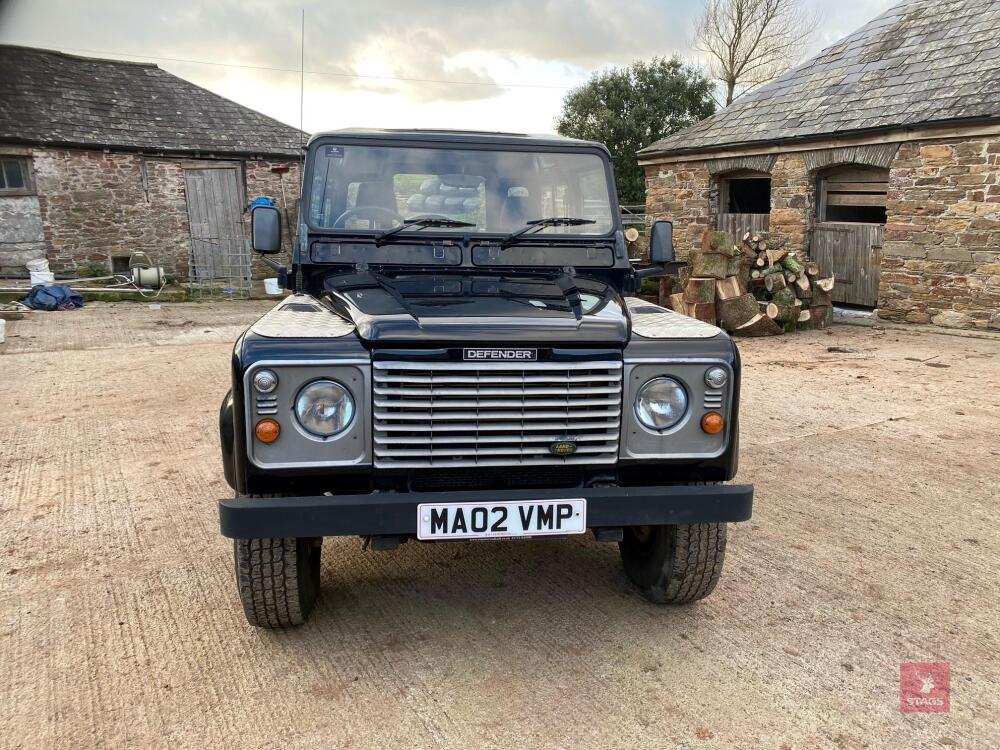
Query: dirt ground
<point x="873" y="542"/>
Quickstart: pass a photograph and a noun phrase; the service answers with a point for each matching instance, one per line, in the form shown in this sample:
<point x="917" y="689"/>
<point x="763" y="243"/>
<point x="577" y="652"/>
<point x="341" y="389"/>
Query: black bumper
<point x="396" y="513"/>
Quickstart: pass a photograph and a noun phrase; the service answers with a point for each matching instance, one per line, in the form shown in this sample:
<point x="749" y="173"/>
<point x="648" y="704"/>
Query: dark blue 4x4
<point x="461" y="358"/>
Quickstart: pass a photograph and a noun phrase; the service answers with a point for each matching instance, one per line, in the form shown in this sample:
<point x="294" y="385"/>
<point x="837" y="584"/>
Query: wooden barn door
<point x="218" y="246"/>
<point x="853" y="254"/>
<point x="847" y="240"/>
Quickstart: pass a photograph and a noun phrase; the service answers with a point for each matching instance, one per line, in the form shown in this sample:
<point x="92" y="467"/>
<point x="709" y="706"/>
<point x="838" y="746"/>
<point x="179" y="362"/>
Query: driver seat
<point x="377" y="194"/>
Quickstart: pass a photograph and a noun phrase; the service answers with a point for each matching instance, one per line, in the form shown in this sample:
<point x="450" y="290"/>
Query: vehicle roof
<point x="458" y="136"/>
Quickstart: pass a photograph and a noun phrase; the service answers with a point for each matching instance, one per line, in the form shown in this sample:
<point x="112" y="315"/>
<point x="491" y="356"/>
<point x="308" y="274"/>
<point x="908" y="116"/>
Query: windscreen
<point x="379" y="187"/>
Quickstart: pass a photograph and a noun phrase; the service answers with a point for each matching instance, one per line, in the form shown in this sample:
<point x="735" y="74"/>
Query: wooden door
<point x="852" y="252"/>
<point x="219" y="250"/>
<point x="736" y="225"/>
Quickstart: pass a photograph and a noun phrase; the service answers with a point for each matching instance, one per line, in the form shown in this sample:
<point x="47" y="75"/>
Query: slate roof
<point x="54" y="98"/>
<point x="920" y="62"/>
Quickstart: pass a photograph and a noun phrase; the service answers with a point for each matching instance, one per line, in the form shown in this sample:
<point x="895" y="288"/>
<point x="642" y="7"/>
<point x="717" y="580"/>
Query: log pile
<point x="753" y="286"/>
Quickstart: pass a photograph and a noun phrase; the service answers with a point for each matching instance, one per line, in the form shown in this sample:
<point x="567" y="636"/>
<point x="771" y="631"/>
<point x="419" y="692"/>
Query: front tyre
<point x="676" y="564"/>
<point x="278" y="579"/>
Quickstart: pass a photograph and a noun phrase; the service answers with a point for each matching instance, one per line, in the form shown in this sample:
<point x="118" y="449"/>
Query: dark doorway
<point x="749" y="195"/>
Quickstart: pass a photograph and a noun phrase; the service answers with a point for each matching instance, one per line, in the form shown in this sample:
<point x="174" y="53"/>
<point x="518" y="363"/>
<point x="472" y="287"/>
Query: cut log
<point x="706" y="240"/>
<point x="760" y="262"/>
<point x="684" y="274"/>
<point x="803" y="287"/>
<point x="761" y="246"/>
<point x="790" y="277"/>
<point x="805" y="322"/>
<point x="820" y="297"/>
<point x="784" y="301"/>
<point x="699" y="290"/>
<point x="677" y="302"/>
<point x="774" y="282"/>
<point x="665" y="291"/>
<point x="792" y="264"/>
<point x="702" y="311"/>
<point x="736" y="266"/>
<point x="736" y="311"/>
<point x="775" y="255"/>
<point x="728" y="288"/>
<point x="712" y="265"/>
<point x="772" y="269"/>
<point x="756" y="273"/>
<point x="758" y="325"/>
<point x="825" y="284"/>
<point x="755" y="239"/>
<point x="746" y="236"/>
<point x="822" y="315"/>
<point x="812" y="269"/>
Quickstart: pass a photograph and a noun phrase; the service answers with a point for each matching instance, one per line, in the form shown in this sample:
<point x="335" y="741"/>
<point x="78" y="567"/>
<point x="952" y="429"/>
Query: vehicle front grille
<point x="443" y="414"/>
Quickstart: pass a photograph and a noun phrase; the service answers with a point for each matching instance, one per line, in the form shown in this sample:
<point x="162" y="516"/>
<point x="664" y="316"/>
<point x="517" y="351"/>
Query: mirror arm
<point x="279" y="269"/>
<point x="660" y="269"/>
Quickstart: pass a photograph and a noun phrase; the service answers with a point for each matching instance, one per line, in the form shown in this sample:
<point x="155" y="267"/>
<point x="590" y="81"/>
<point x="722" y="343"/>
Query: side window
<point x="15" y="176"/>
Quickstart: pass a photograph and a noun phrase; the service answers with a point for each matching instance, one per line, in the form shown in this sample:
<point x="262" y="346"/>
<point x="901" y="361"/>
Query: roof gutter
<point x="860" y="136"/>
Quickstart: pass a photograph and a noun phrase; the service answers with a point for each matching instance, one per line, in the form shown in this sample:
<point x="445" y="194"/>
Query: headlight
<point x="265" y="381"/>
<point x="324" y="408"/>
<point x="661" y="403"/>
<point x="716" y="377"/>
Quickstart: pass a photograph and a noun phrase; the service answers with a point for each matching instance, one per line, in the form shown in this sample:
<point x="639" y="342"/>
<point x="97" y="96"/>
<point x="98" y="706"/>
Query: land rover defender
<point x="461" y="357"/>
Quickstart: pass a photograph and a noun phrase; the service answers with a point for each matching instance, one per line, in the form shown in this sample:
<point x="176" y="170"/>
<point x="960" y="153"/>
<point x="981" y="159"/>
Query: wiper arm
<point x="420" y="222"/>
<point x="536" y="225"/>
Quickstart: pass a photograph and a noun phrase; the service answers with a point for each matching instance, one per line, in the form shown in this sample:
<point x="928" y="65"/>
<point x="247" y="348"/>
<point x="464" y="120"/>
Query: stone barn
<point x="880" y="156"/>
<point x="102" y="158"/>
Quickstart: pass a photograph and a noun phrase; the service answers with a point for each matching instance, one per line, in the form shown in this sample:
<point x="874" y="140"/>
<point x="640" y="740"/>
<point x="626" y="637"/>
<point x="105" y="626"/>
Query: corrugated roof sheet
<point x="49" y="97"/>
<point x="920" y="62"/>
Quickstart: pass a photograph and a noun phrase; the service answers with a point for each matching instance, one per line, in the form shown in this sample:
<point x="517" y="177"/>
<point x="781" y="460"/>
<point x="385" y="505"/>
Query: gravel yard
<point x="873" y="543"/>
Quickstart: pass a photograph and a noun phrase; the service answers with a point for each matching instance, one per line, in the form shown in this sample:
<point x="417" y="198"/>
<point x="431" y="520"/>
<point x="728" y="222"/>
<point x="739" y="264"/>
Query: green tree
<point x="629" y="108"/>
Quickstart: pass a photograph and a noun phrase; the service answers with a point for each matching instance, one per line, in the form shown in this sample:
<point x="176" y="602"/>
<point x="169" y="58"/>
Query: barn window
<point x="853" y="194"/>
<point x="745" y="192"/>
<point x="15" y="176"/>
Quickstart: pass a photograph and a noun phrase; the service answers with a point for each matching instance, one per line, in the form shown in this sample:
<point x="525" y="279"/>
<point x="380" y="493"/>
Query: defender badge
<point x="563" y="448"/>
<point x="529" y="355"/>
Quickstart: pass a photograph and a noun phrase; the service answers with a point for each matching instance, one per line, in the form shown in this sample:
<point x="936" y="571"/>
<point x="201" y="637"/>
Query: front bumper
<point x="396" y="513"/>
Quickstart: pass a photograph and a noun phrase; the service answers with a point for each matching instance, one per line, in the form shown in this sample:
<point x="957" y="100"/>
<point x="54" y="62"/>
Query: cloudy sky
<point x="494" y="65"/>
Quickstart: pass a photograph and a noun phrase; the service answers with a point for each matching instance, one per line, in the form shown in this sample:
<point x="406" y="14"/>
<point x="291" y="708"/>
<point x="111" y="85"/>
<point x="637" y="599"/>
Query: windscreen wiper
<point x="420" y="222"/>
<point x="536" y="225"/>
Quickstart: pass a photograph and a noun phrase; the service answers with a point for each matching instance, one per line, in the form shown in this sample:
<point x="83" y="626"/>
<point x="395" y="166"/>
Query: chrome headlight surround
<point x="324" y="408"/>
<point x="661" y="403"/>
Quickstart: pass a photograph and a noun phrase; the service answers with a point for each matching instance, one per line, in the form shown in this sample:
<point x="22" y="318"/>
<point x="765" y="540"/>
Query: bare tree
<point x="751" y="41"/>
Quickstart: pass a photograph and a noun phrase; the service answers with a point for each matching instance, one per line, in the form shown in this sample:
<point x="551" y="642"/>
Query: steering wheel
<point x="367" y="212"/>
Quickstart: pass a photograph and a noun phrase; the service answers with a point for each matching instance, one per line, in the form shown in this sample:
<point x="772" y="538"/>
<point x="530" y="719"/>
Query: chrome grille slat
<point x="488" y="403"/>
<point x="437" y="414"/>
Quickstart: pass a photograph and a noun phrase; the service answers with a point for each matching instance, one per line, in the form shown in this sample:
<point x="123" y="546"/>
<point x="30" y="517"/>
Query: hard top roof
<point x="458" y="137"/>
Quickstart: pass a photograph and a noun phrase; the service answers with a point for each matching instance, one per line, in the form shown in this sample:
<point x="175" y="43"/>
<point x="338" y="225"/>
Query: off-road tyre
<point x="676" y="564"/>
<point x="278" y="579"/>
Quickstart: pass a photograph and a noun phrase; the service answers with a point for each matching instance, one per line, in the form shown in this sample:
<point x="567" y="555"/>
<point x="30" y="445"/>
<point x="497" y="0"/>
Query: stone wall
<point x="792" y="201"/>
<point x="680" y="192"/>
<point x="941" y="255"/>
<point x="96" y="205"/>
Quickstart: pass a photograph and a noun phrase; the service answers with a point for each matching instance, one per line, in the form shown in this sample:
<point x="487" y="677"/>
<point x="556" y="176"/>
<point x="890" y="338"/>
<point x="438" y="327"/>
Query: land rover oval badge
<point x="563" y="448"/>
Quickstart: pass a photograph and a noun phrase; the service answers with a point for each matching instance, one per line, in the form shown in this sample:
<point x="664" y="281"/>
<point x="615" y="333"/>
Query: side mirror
<point x="661" y="242"/>
<point x="265" y="229"/>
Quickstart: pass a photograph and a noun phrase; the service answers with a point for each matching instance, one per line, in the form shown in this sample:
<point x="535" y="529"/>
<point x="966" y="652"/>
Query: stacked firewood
<point x="753" y="286"/>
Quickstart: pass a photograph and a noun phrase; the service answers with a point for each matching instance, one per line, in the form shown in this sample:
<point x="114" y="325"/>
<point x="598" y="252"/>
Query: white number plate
<point x="501" y="520"/>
